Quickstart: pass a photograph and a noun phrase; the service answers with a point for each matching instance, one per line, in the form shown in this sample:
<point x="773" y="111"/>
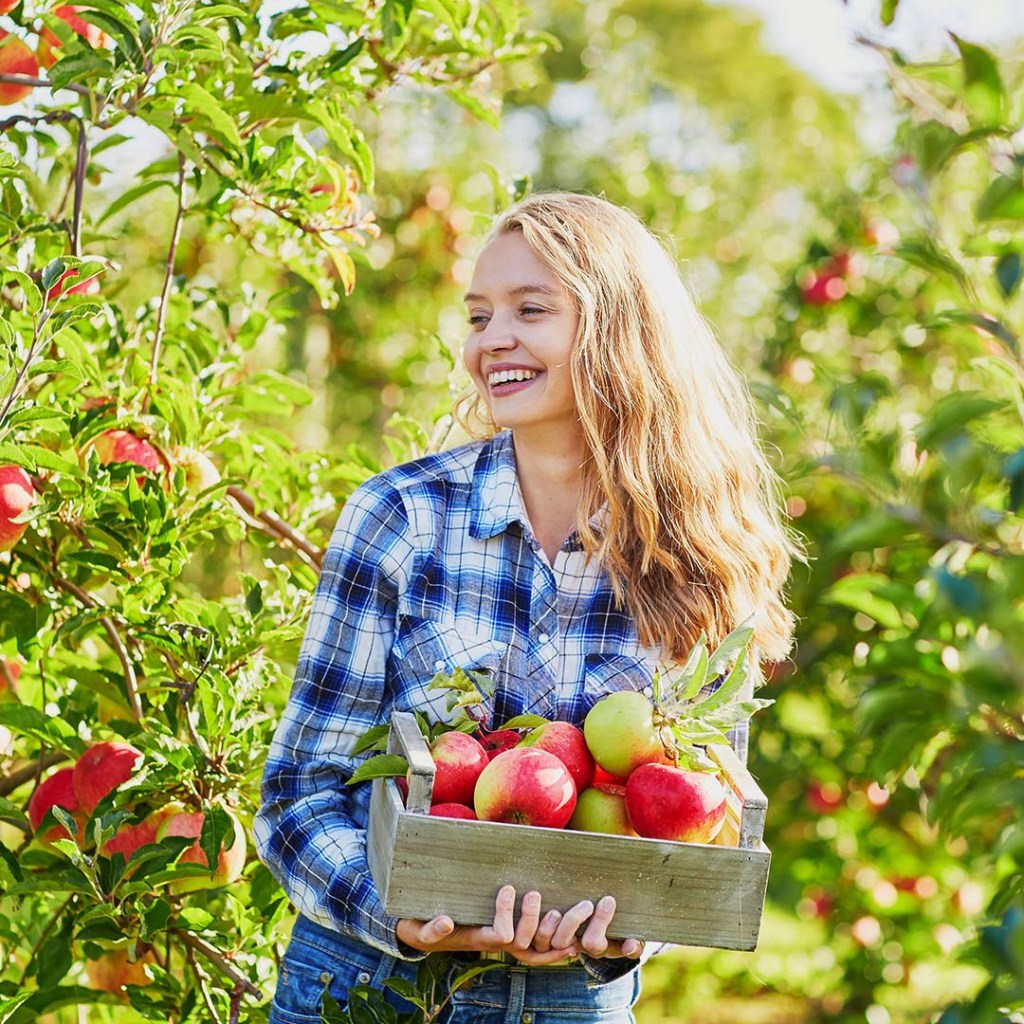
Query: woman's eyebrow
<point x="522" y="289"/>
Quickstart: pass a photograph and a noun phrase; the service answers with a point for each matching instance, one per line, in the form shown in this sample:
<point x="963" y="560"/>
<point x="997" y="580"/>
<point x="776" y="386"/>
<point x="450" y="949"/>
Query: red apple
<point x="15" y="59"/>
<point x="56" y="790"/>
<point x="90" y="286"/>
<point x="824" y="797"/>
<point x="822" y="288"/>
<point x="113" y="970"/>
<point x="602" y="809"/>
<point x="50" y="45"/>
<point x="603" y="778"/>
<point x="10" y="672"/>
<point x="525" y="786"/>
<point x="665" y="802"/>
<point x="129" y="838"/>
<point x="568" y="744"/>
<point x="101" y="769"/>
<point x="124" y="446"/>
<point x="17" y="495"/>
<point x="621" y="733"/>
<point x="180" y="821"/>
<point x="6" y="6"/>
<point x="453" y="811"/>
<point x="459" y="759"/>
<point x="495" y="742"/>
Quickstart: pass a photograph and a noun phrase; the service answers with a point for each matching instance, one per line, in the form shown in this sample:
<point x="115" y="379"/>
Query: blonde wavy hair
<point x="692" y="538"/>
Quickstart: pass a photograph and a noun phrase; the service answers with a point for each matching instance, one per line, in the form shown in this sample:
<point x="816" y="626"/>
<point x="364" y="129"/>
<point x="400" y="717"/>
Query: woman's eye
<point x="531" y="311"/>
<point x="477" y="319"/>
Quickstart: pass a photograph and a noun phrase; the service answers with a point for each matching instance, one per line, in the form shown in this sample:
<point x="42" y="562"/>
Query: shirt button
<point x="543" y="638"/>
<point x="439" y="664"/>
<point x="363" y="978"/>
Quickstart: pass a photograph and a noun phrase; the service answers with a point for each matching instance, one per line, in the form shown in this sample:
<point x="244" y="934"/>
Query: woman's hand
<point x="504" y="934"/>
<point x="594" y="941"/>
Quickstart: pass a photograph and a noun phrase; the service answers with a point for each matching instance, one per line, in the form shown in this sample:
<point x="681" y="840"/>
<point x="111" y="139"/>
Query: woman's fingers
<point x="529" y="919"/>
<point x="595" y="938"/>
<point x="504" y="916"/>
<point x="565" y="933"/>
<point x="632" y="948"/>
<point x="546" y="930"/>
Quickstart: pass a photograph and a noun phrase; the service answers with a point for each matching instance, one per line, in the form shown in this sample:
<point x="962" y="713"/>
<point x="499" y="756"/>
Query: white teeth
<point x="504" y="376"/>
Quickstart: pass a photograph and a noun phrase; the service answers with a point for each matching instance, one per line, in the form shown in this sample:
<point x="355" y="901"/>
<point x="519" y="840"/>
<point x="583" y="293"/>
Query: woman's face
<point x="522" y="327"/>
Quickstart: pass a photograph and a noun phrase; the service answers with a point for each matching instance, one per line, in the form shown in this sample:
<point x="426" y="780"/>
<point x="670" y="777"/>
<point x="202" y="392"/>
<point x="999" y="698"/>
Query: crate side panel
<point x="671" y="892"/>
<point x="385" y="808"/>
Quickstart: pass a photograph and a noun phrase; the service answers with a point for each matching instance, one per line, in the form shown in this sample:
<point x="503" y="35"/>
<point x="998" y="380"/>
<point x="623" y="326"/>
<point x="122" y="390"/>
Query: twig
<point x="81" y="163"/>
<point x="18" y="778"/>
<point x="42" y="83"/>
<point x="172" y="251"/>
<point x="215" y="956"/>
<point x="190" y="956"/>
<point x="47" y="928"/>
<point x="276" y="525"/>
<point x="130" y="681"/>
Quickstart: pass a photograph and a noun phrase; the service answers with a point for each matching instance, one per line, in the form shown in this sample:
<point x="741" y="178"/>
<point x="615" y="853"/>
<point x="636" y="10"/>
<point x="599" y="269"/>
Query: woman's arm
<point x="310" y="829"/>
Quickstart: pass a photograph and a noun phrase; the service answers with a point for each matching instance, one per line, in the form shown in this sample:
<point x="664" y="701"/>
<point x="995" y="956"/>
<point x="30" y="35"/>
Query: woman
<point x="617" y="507"/>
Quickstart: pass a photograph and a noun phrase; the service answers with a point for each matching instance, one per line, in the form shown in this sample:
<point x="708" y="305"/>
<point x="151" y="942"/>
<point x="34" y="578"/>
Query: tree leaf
<point x="1008" y="273"/>
<point x="983" y="85"/>
<point x="382" y="766"/>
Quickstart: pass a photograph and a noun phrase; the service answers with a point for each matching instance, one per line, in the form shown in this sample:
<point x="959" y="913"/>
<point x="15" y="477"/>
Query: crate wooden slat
<point x="687" y="893"/>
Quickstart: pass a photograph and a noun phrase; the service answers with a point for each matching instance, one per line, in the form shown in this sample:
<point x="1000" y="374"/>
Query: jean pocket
<point x="307" y="973"/>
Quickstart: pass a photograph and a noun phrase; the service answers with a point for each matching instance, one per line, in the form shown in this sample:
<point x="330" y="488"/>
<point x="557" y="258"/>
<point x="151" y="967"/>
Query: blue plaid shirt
<point x="432" y="566"/>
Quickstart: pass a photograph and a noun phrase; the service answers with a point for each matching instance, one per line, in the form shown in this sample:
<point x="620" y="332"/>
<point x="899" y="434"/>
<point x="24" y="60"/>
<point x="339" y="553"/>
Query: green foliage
<point x="159" y="592"/>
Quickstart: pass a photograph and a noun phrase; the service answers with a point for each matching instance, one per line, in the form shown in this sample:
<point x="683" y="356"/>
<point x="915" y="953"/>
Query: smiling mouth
<point x="510" y="377"/>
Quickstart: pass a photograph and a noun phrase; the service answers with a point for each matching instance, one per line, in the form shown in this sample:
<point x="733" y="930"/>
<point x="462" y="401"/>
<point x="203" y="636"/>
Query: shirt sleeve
<point x="310" y="830"/>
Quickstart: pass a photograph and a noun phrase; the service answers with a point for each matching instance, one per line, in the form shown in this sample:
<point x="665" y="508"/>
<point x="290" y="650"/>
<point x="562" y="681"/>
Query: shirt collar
<point x="496" y="501"/>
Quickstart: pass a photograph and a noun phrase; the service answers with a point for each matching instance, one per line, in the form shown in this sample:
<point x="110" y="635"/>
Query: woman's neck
<point x="550" y="472"/>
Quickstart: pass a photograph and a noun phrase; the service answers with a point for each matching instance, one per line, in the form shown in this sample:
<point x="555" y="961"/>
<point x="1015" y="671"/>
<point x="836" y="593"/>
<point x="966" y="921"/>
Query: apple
<point x="665" y="802"/>
<point x="453" y="811"/>
<point x="15" y="59"/>
<point x="113" y="970"/>
<point x="603" y="778"/>
<point x="129" y="838"/>
<point x="495" y="742"/>
<point x="569" y="745"/>
<point x="124" y="446"/>
<point x="101" y="769"/>
<point x="56" y="790"/>
<point x="17" y="495"/>
<point x="10" y="672"/>
<point x="458" y="759"/>
<point x="49" y="44"/>
<point x="180" y="821"/>
<point x="200" y="471"/>
<point x="90" y="286"/>
<point x="525" y="786"/>
<point x="824" y="797"/>
<point x="621" y="732"/>
<point x="602" y="809"/>
<point x="6" y="6"/>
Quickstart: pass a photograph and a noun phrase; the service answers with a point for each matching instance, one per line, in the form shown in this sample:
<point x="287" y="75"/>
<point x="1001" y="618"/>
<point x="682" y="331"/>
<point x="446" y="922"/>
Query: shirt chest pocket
<point x="606" y="671"/>
<point x="423" y="648"/>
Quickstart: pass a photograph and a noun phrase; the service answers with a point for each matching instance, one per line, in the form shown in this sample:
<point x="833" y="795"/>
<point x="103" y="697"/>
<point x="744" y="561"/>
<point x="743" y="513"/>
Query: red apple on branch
<point x="6" y="6"/>
<point x="88" y="286"/>
<point x="50" y="45"/>
<point x="129" y="838"/>
<point x="665" y="802"/>
<point x="56" y="790"/>
<point x="16" y="497"/>
<point x="15" y="59"/>
<point x="101" y="769"/>
<point x="180" y="821"/>
<point x="200" y="471"/>
<point x="113" y="970"/>
<point x="526" y="787"/>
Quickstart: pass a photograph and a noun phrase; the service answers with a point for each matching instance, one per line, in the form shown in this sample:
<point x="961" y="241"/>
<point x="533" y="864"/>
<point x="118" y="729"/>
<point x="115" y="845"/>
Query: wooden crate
<point x="693" y="894"/>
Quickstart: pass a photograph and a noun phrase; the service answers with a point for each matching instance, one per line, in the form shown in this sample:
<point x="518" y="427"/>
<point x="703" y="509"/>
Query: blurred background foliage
<point x="872" y="296"/>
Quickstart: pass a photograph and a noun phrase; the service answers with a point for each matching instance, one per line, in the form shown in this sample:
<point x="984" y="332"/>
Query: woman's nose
<point x="498" y="334"/>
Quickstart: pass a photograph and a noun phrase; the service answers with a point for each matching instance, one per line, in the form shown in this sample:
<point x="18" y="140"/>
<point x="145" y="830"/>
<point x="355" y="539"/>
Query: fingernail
<point x="607" y="903"/>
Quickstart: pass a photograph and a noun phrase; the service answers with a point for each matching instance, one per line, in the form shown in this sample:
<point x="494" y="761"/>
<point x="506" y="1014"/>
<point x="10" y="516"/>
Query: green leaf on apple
<point x="383" y="766"/>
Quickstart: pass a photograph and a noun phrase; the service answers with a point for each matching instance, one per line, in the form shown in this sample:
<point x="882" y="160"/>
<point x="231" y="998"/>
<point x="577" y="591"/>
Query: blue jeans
<point x="320" y="960"/>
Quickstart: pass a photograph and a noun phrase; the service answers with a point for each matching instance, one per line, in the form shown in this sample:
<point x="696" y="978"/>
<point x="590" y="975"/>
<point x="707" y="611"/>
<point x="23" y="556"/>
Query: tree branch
<point x="165" y="294"/>
<point x="215" y="956"/>
<point x="42" y="83"/>
<point x="130" y="681"/>
<point x="21" y="775"/>
<point x="275" y="525"/>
